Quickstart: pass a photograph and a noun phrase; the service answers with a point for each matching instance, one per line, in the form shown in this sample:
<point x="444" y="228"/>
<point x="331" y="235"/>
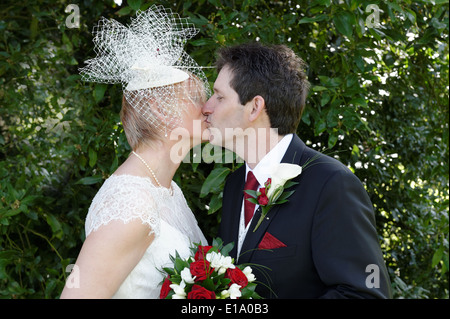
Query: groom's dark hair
<point x="273" y="72"/>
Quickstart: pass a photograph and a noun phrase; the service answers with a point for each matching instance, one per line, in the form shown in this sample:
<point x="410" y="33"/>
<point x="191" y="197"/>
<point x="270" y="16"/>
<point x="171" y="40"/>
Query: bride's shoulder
<point x="123" y="197"/>
<point x="125" y="187"/>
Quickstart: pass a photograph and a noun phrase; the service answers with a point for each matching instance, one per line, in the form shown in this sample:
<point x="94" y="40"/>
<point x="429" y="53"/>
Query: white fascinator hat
<point x="147" y="57"/>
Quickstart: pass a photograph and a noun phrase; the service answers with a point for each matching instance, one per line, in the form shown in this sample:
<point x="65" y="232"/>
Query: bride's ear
<point x="258" y="104"/>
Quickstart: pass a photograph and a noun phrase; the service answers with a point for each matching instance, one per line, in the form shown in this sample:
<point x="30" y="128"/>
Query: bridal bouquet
<point x="209" y="273"/>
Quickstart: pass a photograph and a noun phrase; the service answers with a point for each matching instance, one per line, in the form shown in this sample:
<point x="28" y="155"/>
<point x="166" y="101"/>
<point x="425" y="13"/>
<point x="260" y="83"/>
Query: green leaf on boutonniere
<point x="285" y="196"/>
<point x="290" y="184"/>
<point x="253" y="200"/>
<point x="252" y="193"/>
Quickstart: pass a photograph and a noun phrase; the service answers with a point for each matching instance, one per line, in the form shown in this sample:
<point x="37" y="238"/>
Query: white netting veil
<point x="147" y="57"/>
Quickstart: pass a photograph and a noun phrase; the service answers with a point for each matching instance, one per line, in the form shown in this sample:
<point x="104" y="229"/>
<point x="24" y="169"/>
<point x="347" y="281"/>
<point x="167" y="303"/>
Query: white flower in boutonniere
<point x="280" y="175"/>
<point x="273" y="192"/>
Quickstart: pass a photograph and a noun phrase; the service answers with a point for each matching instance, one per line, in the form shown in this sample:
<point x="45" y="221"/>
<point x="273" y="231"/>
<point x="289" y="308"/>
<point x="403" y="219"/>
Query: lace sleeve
<point x="123" y="198"/>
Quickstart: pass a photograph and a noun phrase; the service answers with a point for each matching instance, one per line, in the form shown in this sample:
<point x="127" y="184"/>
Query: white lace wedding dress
<point x="125" y="198"/>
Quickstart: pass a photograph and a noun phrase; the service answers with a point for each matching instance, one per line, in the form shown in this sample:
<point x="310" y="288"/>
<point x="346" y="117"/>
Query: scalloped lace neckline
<point x="168" y="191"/>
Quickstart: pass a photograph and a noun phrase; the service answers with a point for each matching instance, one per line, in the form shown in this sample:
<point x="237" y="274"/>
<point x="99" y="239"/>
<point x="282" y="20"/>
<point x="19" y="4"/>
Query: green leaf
<point x="226" y="250"/>
<point x="289" y="184"/>
<point x="252" y="193"/>
<point x="124" y="11"/>
<point x="253" y="200"/>
<point x="99" y="92"/>
<point x="359" y="101"/>
<point x="215" y="204"/>
<point x="180" y="264"/>
<point x="202" y="42"/>
<point x="285" y="196"/>
<point x="55" y="225"/>
<point x="34" y="28"/>
<point x="318" y="88"/>
<point x="135" y="4"/>
<point x="208" y="284"/>
<point x="318" y="18"/>
<point x="332" y="140"/>
<point x="7" y="257"/>
<point x="90" y="180"/>
<point x="92" y="157"/>
<point x="320" y="127"/>
<point x="169" y="271"/>
<point x="344" y="22"/>
<point x="217" y="242"/>
<point x="214" y="181"/>
<point x="325" y="98"/>
<point x="437" y="256"/>
<point x="248" y="291"/>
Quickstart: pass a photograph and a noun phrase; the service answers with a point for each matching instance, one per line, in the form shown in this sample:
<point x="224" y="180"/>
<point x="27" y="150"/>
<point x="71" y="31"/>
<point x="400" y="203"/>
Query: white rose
<point x="280" y="175"/>
<point x="187" y="276"/>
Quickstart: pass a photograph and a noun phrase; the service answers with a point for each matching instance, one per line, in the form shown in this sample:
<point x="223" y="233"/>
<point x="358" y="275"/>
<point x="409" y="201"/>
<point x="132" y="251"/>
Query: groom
<point x="322" y="243"/>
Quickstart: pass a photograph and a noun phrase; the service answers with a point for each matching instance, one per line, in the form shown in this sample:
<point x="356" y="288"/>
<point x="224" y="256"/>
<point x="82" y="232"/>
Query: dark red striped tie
<point x="249" y="208"/>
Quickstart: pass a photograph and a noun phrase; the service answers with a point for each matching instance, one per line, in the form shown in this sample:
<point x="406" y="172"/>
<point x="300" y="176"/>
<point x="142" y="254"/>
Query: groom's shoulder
<point x="324" y="168"/>
<point x="323" y="163"/>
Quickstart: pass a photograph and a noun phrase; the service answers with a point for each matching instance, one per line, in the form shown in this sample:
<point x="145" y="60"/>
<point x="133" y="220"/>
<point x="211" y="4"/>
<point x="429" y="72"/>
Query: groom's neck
<point x="256" y="147"/>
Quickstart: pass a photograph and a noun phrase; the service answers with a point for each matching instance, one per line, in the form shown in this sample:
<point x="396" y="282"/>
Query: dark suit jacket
<point x="328" y="226"/>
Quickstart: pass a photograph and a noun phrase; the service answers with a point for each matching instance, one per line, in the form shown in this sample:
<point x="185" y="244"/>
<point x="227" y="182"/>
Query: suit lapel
<point x="294" y="152"/>
<point x="293" y="155"/>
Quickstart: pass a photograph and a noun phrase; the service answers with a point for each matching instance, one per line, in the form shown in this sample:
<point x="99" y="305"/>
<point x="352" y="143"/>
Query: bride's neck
<point x="159" y="156"/>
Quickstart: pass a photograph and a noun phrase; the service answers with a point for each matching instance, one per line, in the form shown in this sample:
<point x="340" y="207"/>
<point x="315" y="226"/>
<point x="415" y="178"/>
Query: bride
<point x="139" y="216"/>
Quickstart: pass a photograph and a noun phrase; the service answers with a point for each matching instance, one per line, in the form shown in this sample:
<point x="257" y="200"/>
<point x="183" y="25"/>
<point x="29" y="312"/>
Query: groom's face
<point x="224" y="112"/>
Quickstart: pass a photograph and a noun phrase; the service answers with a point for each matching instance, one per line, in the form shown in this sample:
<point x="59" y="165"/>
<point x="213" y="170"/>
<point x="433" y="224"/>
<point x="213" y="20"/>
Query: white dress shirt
<point x="262" y="173"/>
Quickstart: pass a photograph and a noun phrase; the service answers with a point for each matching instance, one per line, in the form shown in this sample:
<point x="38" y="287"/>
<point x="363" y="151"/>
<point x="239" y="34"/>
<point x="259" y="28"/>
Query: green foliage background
<point x="379" y="103"/>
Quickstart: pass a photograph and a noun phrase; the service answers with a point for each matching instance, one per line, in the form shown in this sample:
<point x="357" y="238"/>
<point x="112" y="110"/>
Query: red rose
<point x="201" y="252"/>
<point x="237" y="277"/>
<point x="201" y="269"/>
<point x="198" y="292"/>
<point x="262" y="199"/>
<point x="268" y="182"/>
<point x="165" y="288"/>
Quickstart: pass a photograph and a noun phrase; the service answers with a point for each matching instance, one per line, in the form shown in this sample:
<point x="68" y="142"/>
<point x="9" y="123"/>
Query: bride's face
<point x="192" y="118"/>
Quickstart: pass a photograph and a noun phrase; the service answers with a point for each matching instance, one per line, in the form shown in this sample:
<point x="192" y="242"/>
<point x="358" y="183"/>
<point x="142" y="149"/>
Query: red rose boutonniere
<point x="273" y="192"/>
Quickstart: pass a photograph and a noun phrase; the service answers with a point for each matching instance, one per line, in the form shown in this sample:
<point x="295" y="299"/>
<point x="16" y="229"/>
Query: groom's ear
<point x="257" y="106"/>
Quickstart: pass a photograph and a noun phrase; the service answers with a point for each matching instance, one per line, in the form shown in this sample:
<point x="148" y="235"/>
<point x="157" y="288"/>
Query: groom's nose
<point x="207" y="109"/>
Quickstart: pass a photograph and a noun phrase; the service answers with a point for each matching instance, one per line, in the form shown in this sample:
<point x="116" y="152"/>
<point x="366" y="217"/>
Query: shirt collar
<point x="264" y="168"/>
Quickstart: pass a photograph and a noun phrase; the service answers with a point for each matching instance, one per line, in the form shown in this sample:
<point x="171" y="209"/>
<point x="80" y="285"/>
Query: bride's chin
<point x="206" y="135"/>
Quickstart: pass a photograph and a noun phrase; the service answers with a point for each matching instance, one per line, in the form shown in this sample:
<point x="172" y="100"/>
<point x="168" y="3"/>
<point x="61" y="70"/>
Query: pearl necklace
<point x="150" y="169"/>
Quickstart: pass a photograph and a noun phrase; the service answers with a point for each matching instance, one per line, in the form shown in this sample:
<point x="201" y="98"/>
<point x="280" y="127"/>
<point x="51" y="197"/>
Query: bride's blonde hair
<point x="138" y="129"/>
